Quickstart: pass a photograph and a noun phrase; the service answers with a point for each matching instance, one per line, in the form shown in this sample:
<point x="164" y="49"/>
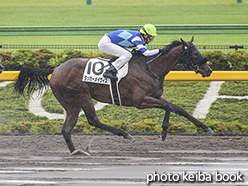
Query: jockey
<point x="117" y="43"/>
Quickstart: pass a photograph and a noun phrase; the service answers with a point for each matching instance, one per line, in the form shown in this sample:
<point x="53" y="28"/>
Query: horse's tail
<point x="33" y="78"/>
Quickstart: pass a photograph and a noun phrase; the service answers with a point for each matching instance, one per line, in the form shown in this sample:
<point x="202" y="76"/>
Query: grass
<point x="238" y="88"/>
<point x="229" y="110"/>
<point x="50" y="104"/>
<point x="13" y="108"/>
<point x="117" y="12"/>
<point x="178" y="93"/>
<point x="200" y="39"/>
<point x="186" y="94"/>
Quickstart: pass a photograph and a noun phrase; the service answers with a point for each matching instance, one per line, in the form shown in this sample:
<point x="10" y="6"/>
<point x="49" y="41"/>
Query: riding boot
<point x="111" y="73"/>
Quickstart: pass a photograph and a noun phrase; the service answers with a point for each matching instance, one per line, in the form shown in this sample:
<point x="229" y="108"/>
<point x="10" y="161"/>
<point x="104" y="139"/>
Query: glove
<point x="135" y="52"/>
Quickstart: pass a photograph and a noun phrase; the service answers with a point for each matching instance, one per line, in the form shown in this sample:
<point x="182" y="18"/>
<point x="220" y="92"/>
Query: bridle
<point x="188" y="61"/>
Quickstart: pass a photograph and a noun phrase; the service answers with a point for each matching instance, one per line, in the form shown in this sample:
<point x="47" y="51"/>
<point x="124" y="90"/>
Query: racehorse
<point x="141" y="88"/>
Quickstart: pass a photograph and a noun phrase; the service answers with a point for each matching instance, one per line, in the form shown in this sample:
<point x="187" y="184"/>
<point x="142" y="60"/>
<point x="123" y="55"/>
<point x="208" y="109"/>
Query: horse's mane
<point x="170" y="46"/>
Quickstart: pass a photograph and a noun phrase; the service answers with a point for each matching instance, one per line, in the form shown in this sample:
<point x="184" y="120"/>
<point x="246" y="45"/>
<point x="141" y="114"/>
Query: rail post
<point x="89" y="2"/>
<point x="236" y="46"/>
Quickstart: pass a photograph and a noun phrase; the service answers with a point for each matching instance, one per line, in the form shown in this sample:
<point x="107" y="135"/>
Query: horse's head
<point x="1" y="68"/>
<point x="194" y="60"/>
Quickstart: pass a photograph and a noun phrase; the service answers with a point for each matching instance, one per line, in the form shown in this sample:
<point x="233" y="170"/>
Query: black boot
<point x="111" y="73"/>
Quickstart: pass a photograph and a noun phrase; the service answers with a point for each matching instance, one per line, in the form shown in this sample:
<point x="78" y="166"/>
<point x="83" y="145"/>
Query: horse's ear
<point x="192" y="39"/>
<point x="184" y="42"/>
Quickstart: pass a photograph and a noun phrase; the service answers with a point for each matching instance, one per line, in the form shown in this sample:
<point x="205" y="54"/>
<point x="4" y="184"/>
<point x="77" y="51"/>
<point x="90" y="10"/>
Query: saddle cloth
<point x="93" y="73"/>
<point x="95" y="68"/>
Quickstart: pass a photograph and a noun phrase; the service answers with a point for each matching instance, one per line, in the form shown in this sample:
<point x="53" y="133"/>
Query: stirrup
<point x="110" y="75"/>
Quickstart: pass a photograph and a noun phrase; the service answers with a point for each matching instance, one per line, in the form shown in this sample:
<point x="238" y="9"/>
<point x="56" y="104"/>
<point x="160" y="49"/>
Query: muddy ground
<point x="45" y="160"/>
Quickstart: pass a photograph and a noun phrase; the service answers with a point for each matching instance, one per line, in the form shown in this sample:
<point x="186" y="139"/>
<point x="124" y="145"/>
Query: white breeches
<point x="106" y="46"/>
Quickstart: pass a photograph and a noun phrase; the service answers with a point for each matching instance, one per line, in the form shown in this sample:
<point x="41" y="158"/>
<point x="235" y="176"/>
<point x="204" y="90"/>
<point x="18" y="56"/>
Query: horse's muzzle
<point x="206" y="73"/>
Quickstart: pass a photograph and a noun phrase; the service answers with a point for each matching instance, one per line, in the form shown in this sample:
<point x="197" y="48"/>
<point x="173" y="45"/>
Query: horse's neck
<point x="163" y="65"/>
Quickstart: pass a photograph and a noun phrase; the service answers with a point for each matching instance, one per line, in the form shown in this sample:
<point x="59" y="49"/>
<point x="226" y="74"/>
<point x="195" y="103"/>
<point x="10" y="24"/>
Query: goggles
<point x="150" y="37"/>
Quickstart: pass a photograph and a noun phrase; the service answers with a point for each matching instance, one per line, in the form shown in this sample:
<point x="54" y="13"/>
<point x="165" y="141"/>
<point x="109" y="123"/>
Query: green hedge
<point x="237" y="60"/>
<point x="43" y="58"/>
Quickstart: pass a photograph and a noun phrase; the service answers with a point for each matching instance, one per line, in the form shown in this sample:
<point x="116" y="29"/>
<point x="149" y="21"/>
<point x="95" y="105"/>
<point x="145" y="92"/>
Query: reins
<point x="153" y="59"/>
<point x="148" y="62"/>
<point x="184" y="52"/>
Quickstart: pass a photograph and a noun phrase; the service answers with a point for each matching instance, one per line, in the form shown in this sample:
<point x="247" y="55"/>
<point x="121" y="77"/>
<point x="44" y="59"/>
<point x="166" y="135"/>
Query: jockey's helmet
<point x="149" y="29"/>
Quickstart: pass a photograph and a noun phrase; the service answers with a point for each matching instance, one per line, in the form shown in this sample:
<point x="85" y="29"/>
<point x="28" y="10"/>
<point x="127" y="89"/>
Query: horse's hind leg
<point x="72" y="113"/>
<point x="90" y="113"/>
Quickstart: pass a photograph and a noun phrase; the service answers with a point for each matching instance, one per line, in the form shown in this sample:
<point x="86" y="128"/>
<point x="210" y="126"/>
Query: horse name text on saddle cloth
<point x="93" y="73"/>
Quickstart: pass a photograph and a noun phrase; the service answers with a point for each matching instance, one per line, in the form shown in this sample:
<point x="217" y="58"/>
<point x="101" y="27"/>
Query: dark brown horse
<point x="141" y="88"/>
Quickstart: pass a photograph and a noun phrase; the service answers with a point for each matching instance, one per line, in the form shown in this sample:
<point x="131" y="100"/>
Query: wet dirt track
<point x="45" y="160"/>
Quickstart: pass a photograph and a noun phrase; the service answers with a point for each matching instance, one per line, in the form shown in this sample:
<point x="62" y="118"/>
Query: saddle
<point x="93" y="73"/>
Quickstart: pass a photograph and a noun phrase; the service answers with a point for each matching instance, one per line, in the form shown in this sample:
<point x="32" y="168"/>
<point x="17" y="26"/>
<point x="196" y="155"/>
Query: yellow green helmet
<point x="149" y="29"/>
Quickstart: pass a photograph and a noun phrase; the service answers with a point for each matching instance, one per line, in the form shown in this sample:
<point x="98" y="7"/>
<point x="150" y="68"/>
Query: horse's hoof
<point x="80" y="152"/>
<point x="128" y="137"/>
<point x="208" y="131"/>
<point x="163" y="136"/>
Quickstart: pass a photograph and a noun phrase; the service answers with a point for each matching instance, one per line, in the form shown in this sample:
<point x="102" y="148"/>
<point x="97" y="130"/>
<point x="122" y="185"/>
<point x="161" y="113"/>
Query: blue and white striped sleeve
<point x="139" y="44"/>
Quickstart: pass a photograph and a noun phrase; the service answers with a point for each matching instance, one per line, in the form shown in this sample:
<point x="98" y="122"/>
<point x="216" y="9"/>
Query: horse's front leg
<point x="151" y="102"/>
<point x="185" y="114"/>
<point x="165" y="125"/>
<point x="178" y="110"/>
